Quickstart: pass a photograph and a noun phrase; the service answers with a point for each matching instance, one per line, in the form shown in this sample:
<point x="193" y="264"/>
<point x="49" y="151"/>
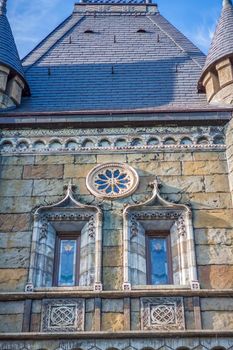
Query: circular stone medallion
<point x="112" y="180"/>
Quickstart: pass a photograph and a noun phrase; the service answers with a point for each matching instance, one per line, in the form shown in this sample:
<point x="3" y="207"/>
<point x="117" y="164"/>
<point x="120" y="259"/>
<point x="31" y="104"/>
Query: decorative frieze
<point x="117" y="140"/>
<point x="162" y="314"/>
<point x="63" y="315"/>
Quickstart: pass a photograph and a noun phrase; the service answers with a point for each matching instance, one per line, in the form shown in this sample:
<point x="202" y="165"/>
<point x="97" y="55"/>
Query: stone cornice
<point x="37" y="295"/>
<point x="117" y="335"/>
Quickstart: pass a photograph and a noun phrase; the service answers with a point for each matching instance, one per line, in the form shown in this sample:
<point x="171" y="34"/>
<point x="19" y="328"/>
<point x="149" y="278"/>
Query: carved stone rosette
<point x="112" y="180"/>
<point x="162" y="314"/>
<point x="63" y="315"/>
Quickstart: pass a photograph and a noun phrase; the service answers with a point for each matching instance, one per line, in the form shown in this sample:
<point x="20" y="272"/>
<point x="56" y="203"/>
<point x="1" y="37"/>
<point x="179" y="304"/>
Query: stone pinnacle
<point x="3" y="7"/>
<point x="227" y="3"/>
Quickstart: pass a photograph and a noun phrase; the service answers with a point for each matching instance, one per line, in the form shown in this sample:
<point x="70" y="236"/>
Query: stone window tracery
<point x="156" y="215"/>
<point x="67" y="216"/>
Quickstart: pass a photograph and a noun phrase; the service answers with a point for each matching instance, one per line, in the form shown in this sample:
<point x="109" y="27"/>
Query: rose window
<point x="112" y="180"/>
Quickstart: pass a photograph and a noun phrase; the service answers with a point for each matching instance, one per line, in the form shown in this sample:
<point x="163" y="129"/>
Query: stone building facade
<point x="116" y="227"/>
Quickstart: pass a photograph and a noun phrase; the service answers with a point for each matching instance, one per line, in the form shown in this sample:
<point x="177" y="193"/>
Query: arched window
<point x="158" y="244"/>
<point x="66" y="246"/>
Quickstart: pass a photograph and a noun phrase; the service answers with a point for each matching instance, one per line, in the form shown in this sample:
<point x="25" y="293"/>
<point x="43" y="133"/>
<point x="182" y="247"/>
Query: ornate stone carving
<point x="158" y="214"/>
<point x="112" y="180"/>
<point x="68" y="216"/>
<point x="77" y="140"/>
<point x="162" y="314"/>
<point x="63" y="315"/>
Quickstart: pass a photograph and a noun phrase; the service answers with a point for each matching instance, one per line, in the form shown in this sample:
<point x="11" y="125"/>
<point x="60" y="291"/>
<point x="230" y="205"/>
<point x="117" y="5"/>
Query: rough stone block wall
<point x="199" y="178"/>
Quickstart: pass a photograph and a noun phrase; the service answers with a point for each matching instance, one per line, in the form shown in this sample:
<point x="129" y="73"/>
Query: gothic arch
<point x="68" y="214"/>
<point x="156" y="212"/>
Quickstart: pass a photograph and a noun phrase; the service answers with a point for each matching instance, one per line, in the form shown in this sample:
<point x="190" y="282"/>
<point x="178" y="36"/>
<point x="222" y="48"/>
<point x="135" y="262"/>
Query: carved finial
<point x="3" y="7"/>
<point x="226" y="3"/>
<point x="70" y="187"/>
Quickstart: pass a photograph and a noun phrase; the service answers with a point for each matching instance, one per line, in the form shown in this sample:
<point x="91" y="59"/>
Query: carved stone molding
<point x="120" y="139"/>
<point x="162" y="314"/>
<point x="63" y="315"/>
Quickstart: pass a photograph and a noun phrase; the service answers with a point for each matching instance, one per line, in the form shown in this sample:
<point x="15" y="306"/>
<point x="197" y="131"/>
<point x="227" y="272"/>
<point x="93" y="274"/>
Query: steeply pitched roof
<point x="8" y="51"/>
<point x="108" y="57"/>
<point x="222" y="43"/>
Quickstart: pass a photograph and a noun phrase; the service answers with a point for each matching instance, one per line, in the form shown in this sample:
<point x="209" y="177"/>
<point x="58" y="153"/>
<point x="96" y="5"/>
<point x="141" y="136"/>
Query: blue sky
<point x="31" y="21"/>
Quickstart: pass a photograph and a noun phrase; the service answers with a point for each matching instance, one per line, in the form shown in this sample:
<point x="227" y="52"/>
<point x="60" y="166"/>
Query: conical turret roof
<point x="8" y="51"/>
<point x="222" y="43"/>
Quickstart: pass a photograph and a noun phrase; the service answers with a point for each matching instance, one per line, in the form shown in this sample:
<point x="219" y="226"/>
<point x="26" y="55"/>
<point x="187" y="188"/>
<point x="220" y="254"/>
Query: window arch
<point x="78" y="227"/>
<point x="169" y="226"/>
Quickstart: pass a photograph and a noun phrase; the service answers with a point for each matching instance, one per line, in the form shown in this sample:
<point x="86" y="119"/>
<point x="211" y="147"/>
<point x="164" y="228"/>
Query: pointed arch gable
<point x="67" y="215"/>
<point x="157" y="213"/>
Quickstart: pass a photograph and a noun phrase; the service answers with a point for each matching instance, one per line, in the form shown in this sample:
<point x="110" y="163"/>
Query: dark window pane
<point x="158" y="260"/>
<point x="67" y="268"/>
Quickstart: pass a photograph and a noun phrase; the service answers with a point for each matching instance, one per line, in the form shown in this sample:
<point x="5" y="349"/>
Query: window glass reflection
<point x="67" y="263"/>
<point x="158" y="261"/>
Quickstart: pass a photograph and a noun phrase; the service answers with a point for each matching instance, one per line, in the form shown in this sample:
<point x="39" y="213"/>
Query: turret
<point x="12" y="80"/>
<point x="217" y="76"/>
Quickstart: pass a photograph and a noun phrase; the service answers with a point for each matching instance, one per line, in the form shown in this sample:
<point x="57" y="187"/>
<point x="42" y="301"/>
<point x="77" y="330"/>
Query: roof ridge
<point x="174" y="41"/>
<point x="50" y="35"/>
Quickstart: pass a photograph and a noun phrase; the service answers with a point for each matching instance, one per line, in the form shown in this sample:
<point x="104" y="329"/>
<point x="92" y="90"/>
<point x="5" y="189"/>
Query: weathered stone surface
<point x="204" y="167"/>
<point x="16" y="240"/>
<point x="11" y="172"/>
<point x="90" y="305"/>
<point x="112" y="322"/>
<point x="145" y="157"/>
<point x="35" y="323"/>
<point x="216" y="183"/>
<point x="11" y="323"/>
<point x="185" y="184"/>
<point x="85" y="159"/>
<point x="112" y="238"/>
<point x="217" y="320"/>
<point x="77" y="170"/>
<point x="17" y="160"/>
<point x="52" y="159"/>
<point x="216" y="304"/>
<point x="14" y="222"/>
<point x="14" y="258"/>
<point x="112" y="305"/>
<point x="135" y="321"/>
<point x="213" y="218"/>
<point x="12" y="280"/>
<point x="112" y="256"/>
<point x="158" y="168"/>
<point x="214" y="254"/>
<point x="112" y="278"/>
<point x="111" y="158"/>
<point x="214" y="236"/>
<point x="89" y="321"/>
<point x="48" y="187"/>
<point x="216" y="276"/>
<point x="11" y="307"/>
<point x="15" y="188"/>
<point x="17" y="205"/>
<point x="189" y="320"/>
<point x="81" y="187"/>
<point x="210" y="200"/>
<point x="135" y="305"/>
<point x="178" y="156"/>
<point x="46" y="171"/>
<point x="220" y="155"/>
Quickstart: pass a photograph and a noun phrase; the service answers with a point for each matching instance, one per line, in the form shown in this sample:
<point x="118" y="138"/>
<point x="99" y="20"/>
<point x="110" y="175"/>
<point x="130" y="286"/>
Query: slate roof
<point x="8" y="51"/>
<point x="222" y="43"/>
<point x="115" y="67"/>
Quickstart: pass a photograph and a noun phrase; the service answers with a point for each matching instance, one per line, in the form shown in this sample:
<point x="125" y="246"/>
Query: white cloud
<point x="31" y="21"/>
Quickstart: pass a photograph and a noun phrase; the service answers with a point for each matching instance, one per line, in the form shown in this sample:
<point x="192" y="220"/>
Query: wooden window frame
<point x="159" y="234"/>
<point x="66" y="236"/>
